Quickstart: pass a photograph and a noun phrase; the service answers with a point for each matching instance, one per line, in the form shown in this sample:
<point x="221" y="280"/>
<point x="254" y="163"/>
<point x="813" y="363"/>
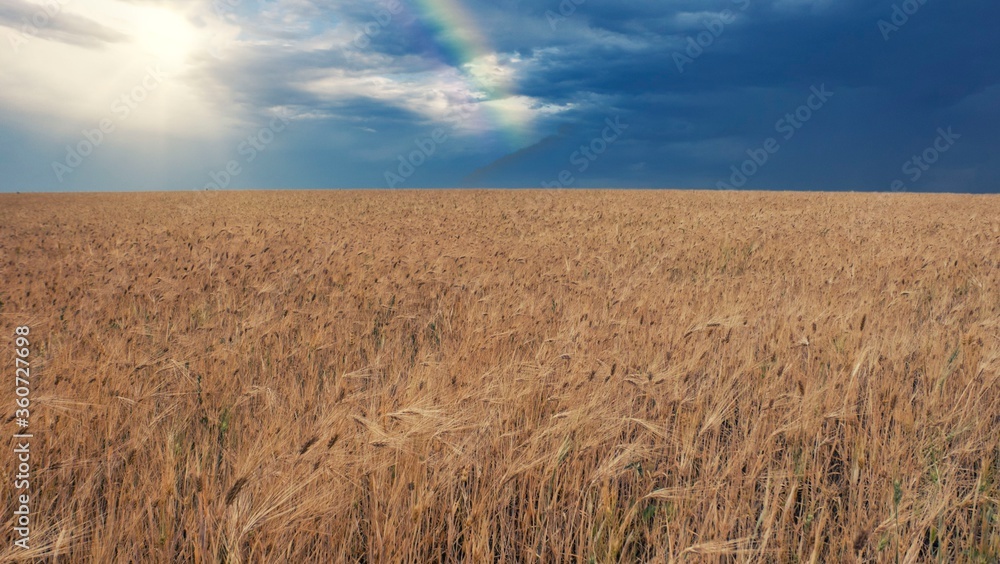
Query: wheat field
<point x="507" y="376"/>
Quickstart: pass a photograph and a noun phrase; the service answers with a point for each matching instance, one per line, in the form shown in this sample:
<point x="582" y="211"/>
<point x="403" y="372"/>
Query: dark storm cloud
<point x="890" y="94"/>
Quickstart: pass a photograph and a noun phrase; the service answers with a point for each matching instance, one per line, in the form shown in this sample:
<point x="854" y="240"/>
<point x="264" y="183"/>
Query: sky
<point x="860" y="95"/>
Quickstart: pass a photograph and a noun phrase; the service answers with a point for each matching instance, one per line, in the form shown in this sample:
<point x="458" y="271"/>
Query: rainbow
<point x="463" y="40"/>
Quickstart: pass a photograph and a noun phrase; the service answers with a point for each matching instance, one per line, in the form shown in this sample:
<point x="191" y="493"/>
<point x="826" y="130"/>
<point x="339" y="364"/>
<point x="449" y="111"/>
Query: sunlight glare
<point x="165" y="35"/>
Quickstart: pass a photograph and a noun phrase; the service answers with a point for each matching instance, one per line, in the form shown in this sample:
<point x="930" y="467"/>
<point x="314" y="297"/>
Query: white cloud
<point x="64" y="85"/>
